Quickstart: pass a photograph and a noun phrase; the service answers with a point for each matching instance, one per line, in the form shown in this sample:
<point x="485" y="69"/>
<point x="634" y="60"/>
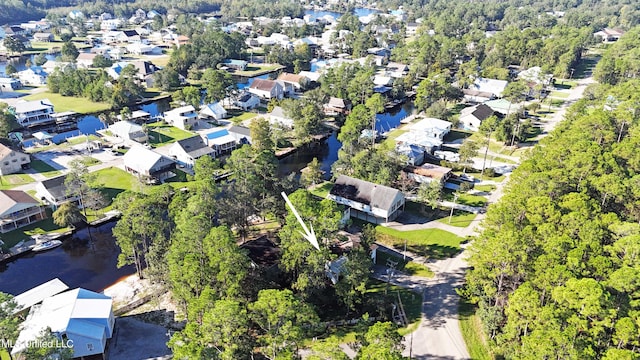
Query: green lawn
<point x="460" y="218"/>
<point x="10" y="181"/>
<point x="467" y="199"/>
<point x="70" y="103"/>
<point x="416" y="269"/>
<point x="237" y="119"/>
<point x="472" y="332"/>
<point x="322" y="190"/>
<point x="559" y="94"/>
<point x="44" y="169"/>
<point x="89" y="161"/>
<point x="258" y="69"/>
<point x="432" y="243"/>
<point x="162" y="134"/>
<point x="392" y="135"/>
<point x="485" y="188"/>
<point x="4" y="354"/>
<point x="411" y="302"/>
<point x="114" y="181"/>
<point x="45" y="226"/>
<point x="81" y="139"/>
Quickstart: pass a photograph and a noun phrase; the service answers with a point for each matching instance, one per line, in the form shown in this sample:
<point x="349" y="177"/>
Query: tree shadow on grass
<point x="434" y="251"/>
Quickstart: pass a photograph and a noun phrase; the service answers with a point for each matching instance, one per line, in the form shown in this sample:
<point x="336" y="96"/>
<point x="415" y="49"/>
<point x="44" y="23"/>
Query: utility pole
<point x="455" y="198"/>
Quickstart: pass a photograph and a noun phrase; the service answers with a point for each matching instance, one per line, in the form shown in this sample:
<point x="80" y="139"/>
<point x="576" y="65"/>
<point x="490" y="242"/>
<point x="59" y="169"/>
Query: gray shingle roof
<point x="364" y="192"/>
<point x="195" y="147"/>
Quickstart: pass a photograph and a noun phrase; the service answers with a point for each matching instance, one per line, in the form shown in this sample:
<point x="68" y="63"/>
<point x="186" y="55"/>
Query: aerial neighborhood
<point x="249" y="179"/>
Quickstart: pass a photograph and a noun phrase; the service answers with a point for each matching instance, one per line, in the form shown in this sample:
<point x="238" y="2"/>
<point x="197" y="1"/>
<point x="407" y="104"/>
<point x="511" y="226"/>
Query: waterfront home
<point x="266" y="89"/>
<point x="432" y="127"/>
<point x="293" y="82"/>
<point x="241" y="134"/>
<point x="213" y="111"/>
<point x="247" y="101"/>
<point x="368" y="201"/>
<point x="43" y="37"/>
<point x="129" y="131"/>
<point x="184" y="117"/>
<point x="278" y="117"/>
<point x="18" y="209"/>
<point x="413" y="153"/>
<point x="35" y="112"/>
<point x="85" y="60"/>
<point x="235" y="64"/>
<point x="12" y="161"/>
<point x="34" y="75"/>
<point x="187" y="151"/>
<point x="147" y="164"/>
<point x="37" y="294"/>
<point x="83" y="317"/>
<point x="220" y="140"/>
<point x="54" y="192"/>
<point x="337" y="106"/>
<point x="471" y="117"/>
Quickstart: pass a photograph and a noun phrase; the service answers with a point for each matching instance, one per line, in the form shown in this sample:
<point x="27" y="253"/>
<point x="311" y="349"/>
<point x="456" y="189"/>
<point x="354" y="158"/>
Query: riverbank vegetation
<point x="554" y="271"/>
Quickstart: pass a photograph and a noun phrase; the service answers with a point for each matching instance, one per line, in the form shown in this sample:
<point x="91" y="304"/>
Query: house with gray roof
<point x="53" y="191"/>
<point x="128" y="130"/>
<point x="368" y="201"/>
<point x="12" y="161"/>
<point x="471" y="117"/>
<point x="187" y="151"/>
<point x="147" y="164"/>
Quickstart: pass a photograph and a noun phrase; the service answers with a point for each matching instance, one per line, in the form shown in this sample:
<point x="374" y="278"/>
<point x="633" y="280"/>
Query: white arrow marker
<point x="309" y="235"/>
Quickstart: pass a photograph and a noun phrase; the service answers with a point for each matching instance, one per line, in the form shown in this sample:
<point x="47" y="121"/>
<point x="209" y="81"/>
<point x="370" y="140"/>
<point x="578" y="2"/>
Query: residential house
<point x="241" y="134"/>
<point x="137" y="116"/>
<point x="51" y="65"/>
<point x="110" y="24"/>
<point x="12" y="161"/>
<point x="34" y="75"/>
<point x="247" y="101"/>
<point x="10" y="84"/>
<point x="368" y="201"/>
<point x="278" y="117"/>
<point x="313" y="76"/>
<point x="105" y="16"/>
<point x="484" y="89"/>
<point x="471" y="117"/>
<point x="397" y="70"/>
<point x="292" y="82"/>
<point x="213" y="111"/>
<point x="421" y="139"/>
<point x="337" y="106"/>
<point x="14" y="30"/>
<point x="75" y="14"/>
<point x="43" y="37"/>
<point x="411" y="28"/>
<point x="414" y="153"/>
<point x="83" y="317"/>
<point x="609" y="35"/>
<point x="535" y="76"/>
<point x="131" y="36"/>
<point x="152" y="14"/>
<point x="428" y="173"/>
<point x="435" y="128"/>
<point x="502" y="106"/>
<point x="129" y="131"/>
<point x="221" y="140"/>
<point x="145" y="71"/>
<point x="235" y="64"/>
<point x="54" y="192"/>
<point x="147" y="164"/>
<point x="142" y="49"/>
<point x="187" y="151"/>
<point x="85" y="60"/>
<point x="18" y="209"/>
<point x="36" y="295"/>
<point x="266" y="89"/>
<point x="184" y="117"/>
<point x="35" y="112"/>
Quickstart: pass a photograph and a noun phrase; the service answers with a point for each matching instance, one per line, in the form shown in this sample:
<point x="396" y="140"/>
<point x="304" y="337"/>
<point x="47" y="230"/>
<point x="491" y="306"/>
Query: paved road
<point x="439" y="336"/>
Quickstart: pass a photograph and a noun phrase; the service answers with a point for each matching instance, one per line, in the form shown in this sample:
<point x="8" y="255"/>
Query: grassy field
<point x="392" y="135"/>
<point x="559" y="94"/>
<point x="485" y="188"/>
<point x="459" y="219"/>
<point x="322" y="190"/>
<point x="10" y="181"/>
<point x="432" y="243"/>
<point x="237" y="119"/>
<point x="467" y="199"/>
<point x="114" y="181"/>
<point x="162" y="134"/>
<point x="81" y="139"/>
<point x="44" y="169"/>
<point x="472" y="332"/>
<point x="45" y="226"/>
<point x="258" y="69"/>
<point x="70" y="103"/>
<point x="416" y="269"/>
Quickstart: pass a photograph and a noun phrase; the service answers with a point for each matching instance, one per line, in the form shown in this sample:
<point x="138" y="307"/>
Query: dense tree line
<point x="555" y="271"/>
<point x="621" y="60"/>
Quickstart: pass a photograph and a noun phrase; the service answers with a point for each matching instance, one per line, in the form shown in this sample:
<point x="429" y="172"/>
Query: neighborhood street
<point x="439" y="336"/>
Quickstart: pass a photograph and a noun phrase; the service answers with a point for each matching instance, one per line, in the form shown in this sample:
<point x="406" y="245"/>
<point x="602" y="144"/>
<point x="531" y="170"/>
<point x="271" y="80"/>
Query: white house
<point x="296" y="82"/>
<point x="35" y="75"/>
<point x="83" y="317"/>
<point x="184" y="117"/>
<point x="609" y="35"/>
<point x="148" y="164"/>
<point x="54" y="192"/>
<point x="278" y="118"/>
<point x="128" y="130"/>
<point x="85" y="60"/>
<point x="220" y="140"/>
<point x="484" y="89"/>
<point x="213" y="111"/>
<point x="247" y="101"/>
<point x="12" y="161"/>
<point x="368" y="201"/>
<point x="18" y="209"/>
<point x="433" y="127"/>
<point x="36" y="112"/>
<point x="187" y="151"/>
<point x="266" y="89"/>
<point x="471" y="117"/>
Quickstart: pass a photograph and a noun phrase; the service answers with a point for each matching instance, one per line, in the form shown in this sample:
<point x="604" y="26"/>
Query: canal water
<point x="87" y="259"/>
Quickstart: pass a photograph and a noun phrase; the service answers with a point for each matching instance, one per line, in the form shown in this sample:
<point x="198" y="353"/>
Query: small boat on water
<point x="47" y="245"/>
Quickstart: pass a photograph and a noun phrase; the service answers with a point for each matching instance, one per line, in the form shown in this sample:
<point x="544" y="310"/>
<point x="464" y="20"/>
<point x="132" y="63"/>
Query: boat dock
<point x="20" y="248"/>
<point x="108" y="216"/>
